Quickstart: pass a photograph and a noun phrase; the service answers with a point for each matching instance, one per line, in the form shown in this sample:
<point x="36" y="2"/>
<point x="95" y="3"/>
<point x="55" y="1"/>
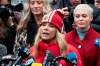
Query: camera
<point x="8" y="10"/>
<point x="5" y="12"/>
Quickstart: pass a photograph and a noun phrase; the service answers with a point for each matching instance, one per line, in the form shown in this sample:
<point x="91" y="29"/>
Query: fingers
<point x="65" y="11"/>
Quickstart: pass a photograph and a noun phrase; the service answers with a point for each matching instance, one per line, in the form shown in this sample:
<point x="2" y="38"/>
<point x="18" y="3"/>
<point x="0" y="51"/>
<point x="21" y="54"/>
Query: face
<point x="48" y="31"/>
<point x="36" y="6"/>
<point x="97" y="3"/>
<point x="74" y="3"/>
<point x="82" y="18"/>
<point x="4" y="2"/>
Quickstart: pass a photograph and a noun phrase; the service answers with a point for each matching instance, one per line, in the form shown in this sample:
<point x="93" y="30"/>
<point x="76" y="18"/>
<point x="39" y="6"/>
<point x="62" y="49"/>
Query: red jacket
<point x="54" y="48"/>
<point x="90" y="54"/>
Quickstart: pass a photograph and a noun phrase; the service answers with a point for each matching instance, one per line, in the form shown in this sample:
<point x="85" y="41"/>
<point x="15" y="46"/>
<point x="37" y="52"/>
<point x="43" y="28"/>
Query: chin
<point x="37" y="13"/>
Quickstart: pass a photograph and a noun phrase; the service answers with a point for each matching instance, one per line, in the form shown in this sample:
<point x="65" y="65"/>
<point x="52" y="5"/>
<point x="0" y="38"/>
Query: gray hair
<point x="85" y="7"/>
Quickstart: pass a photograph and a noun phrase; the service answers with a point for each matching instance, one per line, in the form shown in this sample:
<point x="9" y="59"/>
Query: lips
<point x="45" y="33"/>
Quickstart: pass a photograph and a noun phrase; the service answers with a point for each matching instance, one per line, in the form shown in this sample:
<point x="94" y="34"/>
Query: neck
<point x="38" y="18"/>
<point x="85" y="29"/>
<point x="48" y="42"/>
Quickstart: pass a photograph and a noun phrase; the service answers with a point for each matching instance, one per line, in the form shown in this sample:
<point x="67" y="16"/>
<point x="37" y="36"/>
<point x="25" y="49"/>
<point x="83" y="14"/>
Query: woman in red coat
<point x="50" y="38"/>
<point x="83" y="36"/>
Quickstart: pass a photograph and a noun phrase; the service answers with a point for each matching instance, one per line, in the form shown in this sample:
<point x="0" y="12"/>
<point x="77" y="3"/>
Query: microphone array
<point x="49" y="59"/>
<point x="16" y="59"/>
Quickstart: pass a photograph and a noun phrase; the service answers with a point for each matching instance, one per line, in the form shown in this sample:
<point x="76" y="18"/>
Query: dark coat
<point x="96" y="18"/>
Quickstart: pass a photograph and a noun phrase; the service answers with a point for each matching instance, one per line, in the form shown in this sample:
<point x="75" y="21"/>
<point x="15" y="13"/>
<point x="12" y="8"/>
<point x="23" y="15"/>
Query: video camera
<point x="5" y="12"/>
<point x="8" y="10"/>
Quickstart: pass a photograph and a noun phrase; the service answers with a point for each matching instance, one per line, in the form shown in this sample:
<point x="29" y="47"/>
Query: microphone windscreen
<point x="50" y="57"/>
<point x="72" y="56"/>
<point x="97" y="42"/>
<point x="29" y="61"/>
<point x="3" y="50"/>
<point x="36" y="64"/>
<point x="23" y="52"/>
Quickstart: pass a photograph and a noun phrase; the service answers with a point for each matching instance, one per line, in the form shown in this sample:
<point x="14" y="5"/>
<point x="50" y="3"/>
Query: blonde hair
<point x="59" y="38"/>
<point x="85" y="7"/>
<point x="27" y="15"/>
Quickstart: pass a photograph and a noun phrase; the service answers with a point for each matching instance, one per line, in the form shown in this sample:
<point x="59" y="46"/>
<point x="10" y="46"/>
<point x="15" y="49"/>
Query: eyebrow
<point x="98" y="1"/>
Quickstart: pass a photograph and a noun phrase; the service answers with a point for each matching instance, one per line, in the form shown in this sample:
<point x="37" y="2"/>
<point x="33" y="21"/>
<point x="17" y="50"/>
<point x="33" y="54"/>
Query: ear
<point x="91" y="18"/>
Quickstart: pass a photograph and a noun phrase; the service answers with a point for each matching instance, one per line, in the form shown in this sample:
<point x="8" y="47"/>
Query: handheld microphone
<point x="97" y="42"/>
<point x="72" y="57"/>
<point x="45" y="59"/>
<point x="48" y="58"/>
<point x="22" y="53"/>
<point x="36" y="64"/>
<point x="29" y="61"/>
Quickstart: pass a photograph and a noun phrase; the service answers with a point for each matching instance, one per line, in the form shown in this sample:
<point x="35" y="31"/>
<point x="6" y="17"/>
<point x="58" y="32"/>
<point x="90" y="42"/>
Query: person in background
<point x="83" y="36"/>
<point x="6" y="37"/>
<point x="97" y="3"/>
<point x="30" y="21"/>
<point x="96" y="16"/>
<point x="54" y="4"/>
<point x="49" y="37"/>
<point x="8" y="25"/>
<point x="70" y="4"/>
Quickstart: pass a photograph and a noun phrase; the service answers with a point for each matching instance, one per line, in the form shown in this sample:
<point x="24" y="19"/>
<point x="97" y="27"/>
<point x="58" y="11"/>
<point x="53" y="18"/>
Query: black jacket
<point x="96" y="18"/>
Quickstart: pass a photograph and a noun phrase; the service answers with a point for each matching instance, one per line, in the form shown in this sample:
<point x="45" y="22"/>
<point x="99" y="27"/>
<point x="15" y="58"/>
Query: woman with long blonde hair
<point x="49" y="37"/>
<point x="30" y="21"/>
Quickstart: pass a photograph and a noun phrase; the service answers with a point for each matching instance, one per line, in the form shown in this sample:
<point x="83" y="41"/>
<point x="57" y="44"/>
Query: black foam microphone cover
<point x="23" y="52"/>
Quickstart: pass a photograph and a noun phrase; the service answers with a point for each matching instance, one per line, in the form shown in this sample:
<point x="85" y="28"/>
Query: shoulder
<point x="71" y="48"/>
<point x="32" y="49"/>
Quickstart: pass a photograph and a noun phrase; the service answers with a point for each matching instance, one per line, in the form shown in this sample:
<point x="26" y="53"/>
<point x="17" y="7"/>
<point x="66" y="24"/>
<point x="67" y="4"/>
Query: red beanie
<point x="55" y="17"/>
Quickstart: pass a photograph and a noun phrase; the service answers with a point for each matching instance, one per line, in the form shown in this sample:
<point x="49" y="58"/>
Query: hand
<point x="74" y="25"/>
<point x="65" y="11"/>
<point x="10" y="22"/>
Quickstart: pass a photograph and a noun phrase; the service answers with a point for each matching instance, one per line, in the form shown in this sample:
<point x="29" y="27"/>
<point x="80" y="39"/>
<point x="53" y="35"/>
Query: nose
<point x="46" y="27"/>
<point x="80" y="18"/>
<point x="35" y="4"/>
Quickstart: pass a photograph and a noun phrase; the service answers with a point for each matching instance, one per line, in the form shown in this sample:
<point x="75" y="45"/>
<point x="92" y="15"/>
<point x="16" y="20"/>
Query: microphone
<point x="29" y="61"/>
<point x="36" y="64"/>
<point x="97" y="42"/>
<point x="48" y="58"/>
<point x="22" y="53"/>
<point x="72" y="57"/>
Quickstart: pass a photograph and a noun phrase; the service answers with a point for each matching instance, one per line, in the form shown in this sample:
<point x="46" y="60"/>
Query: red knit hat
<point x="55" y="17"/>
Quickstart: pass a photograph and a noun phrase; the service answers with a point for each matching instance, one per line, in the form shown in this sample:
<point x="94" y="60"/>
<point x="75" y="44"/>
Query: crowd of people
<point x="60" y="26"/>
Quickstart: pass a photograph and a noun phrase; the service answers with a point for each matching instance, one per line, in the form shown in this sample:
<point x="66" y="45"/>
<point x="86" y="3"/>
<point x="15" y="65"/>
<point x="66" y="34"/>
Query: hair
<point x="27" y="15"/>
<point x="1" y="22"/>
<point x="2" y="31"/>
<point x="59" y="38"/>
<point x="96" y="0"/>
<point x="85" y="7"/>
